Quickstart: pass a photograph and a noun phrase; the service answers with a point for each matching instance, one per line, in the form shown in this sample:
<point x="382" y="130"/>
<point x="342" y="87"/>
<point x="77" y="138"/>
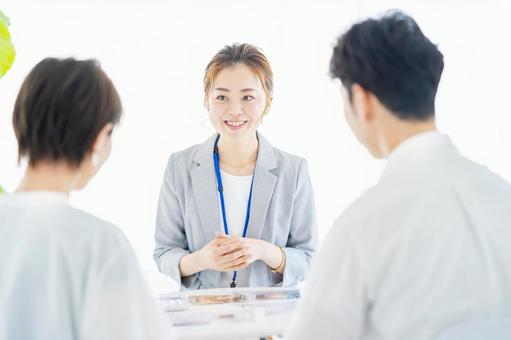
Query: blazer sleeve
<point x="302" y="241"/>
<point x="171" y="243"/>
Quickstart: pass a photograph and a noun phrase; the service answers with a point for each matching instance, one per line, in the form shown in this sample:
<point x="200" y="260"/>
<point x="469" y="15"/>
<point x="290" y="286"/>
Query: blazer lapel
<point x="206" y="193"/>
<point x="205" y="190"/>
<point x="264" y="184"/>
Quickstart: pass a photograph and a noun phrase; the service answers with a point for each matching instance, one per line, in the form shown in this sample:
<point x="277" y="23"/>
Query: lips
<point x="235" y="124"/>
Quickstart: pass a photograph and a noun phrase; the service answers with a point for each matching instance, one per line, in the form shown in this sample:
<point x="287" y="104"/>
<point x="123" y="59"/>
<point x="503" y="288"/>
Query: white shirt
<point x="426" y="248"/>
<point x="236" y="193"/>
<point x="65" y="274"/>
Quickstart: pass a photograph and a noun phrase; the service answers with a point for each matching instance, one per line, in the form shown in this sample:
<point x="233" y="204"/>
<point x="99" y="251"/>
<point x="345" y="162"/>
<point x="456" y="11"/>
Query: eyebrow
<point x="227" y="90"/>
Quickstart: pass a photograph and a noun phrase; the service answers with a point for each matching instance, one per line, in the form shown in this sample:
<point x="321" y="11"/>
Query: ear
<point x="268" y="104"/>
<point x="361" y="103"/>
<point x="101" y="145"/>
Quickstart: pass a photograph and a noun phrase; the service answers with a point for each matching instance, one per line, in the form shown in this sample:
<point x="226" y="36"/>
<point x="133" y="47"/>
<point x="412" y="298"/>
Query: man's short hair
<point x="392" y="58"/>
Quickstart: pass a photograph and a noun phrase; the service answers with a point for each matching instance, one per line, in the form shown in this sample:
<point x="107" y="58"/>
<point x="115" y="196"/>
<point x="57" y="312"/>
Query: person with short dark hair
<point x="65" y="274"/>
<point x="428" y="246"/>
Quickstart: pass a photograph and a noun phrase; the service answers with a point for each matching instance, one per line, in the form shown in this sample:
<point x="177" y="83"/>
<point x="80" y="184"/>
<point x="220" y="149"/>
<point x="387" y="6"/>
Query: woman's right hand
<point x="224" y="254"/>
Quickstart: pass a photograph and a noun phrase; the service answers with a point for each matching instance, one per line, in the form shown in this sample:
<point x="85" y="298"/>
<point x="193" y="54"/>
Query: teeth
<point x="234" y="124"/>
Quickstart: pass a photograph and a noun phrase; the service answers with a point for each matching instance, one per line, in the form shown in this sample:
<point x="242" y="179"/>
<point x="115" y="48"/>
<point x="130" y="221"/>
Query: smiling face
<point x="237" y="102"/>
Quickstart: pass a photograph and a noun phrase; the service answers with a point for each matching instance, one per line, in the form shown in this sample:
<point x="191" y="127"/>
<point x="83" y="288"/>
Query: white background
<point x="156" y="52"/>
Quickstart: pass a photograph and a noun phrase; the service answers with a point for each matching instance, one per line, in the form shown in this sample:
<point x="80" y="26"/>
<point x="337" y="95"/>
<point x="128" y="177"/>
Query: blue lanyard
<point x="216" y="159"/>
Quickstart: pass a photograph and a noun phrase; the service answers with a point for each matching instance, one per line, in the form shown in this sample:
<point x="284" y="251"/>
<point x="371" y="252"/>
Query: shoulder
<point x="288" y="160"/>
<point x="183" y="157"/>
<point x="360" y="211"/>
<point x="88" y="228"/>
<point x="186" y="154"/>
<point x="180" y="163"/>
<point x="292" y="170"/>
<point x="272" y="157"/>
<point x="97" y="242"/>
<point x="384" y="208"/>
<point x="187" y="159"/>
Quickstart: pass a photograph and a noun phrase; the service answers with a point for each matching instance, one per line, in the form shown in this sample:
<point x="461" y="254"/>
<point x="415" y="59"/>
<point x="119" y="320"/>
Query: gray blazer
<point x="282" y="213"/>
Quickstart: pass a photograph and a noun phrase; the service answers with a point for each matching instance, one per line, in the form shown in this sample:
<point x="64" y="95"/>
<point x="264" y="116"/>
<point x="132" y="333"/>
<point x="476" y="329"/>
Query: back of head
<point x="60" y="109"/>
<point x="392" y="58"/>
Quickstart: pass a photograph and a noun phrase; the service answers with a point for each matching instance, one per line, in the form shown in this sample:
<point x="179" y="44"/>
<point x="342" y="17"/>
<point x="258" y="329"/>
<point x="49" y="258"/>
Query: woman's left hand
<point x="254" y="249"/>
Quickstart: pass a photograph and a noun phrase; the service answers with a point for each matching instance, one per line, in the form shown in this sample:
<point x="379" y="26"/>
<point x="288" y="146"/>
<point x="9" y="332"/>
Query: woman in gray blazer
<point x="235" y="211"/>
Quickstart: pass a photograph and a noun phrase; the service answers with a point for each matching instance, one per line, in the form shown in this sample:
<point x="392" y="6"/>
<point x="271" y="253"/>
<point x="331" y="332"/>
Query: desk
<point x="230" y="313"/>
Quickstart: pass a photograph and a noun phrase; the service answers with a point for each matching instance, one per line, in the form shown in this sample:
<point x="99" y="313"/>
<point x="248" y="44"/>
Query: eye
<point x="221" y="97"/>
<point x="248" y="98"/>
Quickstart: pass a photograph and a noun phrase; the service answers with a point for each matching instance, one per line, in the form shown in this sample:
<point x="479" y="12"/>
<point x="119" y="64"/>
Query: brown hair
<point x="246" y="54"/>
<point x="60" y="109"/>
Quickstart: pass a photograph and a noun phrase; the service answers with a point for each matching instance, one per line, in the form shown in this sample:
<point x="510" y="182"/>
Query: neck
<point x="394" y="136"/>
<point x="238" y="153"/>
<point x="59" y="177"/>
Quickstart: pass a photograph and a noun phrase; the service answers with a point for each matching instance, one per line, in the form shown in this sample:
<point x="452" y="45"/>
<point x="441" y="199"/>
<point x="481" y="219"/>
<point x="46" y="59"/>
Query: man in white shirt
<point x="426" y="248"/>
<point x="65" y="274"/>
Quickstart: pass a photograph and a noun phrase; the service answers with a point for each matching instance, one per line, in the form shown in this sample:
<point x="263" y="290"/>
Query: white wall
<point x="156" y="51"/>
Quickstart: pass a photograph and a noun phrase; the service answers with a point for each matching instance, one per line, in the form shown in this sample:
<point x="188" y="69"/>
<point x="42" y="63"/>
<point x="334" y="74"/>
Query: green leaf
<point x="7" y="51"/>
<point x="4" y="19"/>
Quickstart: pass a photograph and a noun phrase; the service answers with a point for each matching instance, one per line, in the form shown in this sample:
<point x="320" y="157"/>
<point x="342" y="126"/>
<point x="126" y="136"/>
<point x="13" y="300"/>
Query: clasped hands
<point x="231" y="253"/>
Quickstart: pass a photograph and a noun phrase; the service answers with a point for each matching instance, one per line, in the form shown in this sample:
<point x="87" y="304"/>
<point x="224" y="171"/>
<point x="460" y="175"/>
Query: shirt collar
<point x="38" y="197"/>
<point x="265" y="155"/>
<point x="416" y="147"/>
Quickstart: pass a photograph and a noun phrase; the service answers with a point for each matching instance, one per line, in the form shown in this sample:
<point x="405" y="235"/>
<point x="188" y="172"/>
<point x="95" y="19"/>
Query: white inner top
<point x="236" y="192"/>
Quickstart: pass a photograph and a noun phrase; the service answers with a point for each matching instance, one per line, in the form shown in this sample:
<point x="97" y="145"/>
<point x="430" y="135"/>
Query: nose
<point x="236" y="109"/>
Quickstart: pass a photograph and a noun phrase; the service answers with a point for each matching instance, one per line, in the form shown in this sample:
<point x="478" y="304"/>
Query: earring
<point x="95" y="160"/>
